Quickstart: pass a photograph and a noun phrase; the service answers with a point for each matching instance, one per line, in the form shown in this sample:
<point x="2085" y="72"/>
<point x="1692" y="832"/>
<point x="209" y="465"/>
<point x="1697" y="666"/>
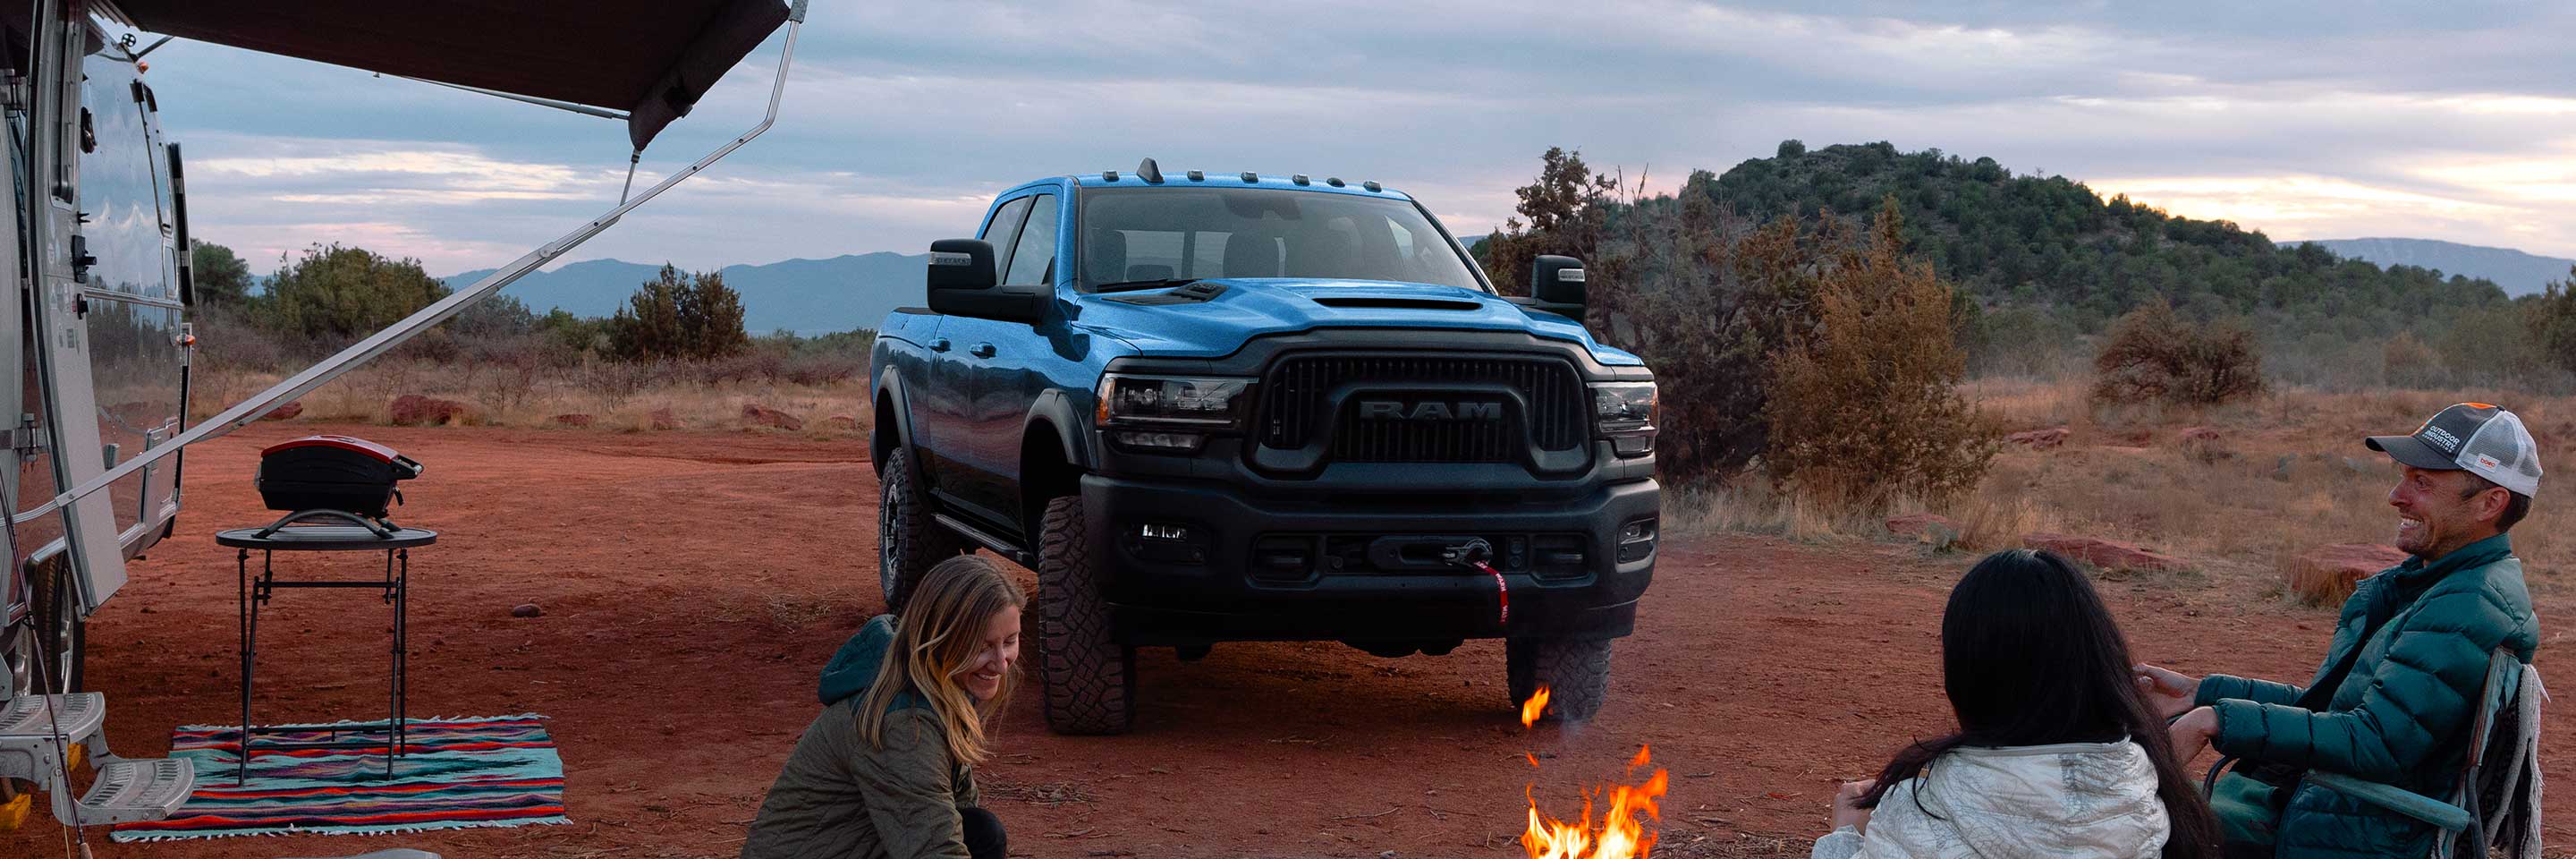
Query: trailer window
<point x="119" y="192"/>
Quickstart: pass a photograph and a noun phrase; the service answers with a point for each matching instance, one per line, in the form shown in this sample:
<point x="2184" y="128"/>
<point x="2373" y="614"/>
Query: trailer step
<point x="29" y="748"/>
<point x="35" y="718"/>
<point x="136" y="790"/>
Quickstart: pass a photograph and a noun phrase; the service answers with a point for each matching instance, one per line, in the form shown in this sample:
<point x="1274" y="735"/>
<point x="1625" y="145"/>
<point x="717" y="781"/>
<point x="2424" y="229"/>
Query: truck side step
<point x="135" y="790"/>
<point x="986" y="539"/>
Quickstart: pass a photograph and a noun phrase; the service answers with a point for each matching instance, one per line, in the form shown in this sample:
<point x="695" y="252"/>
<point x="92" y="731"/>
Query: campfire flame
<point x="1620" y="833"/>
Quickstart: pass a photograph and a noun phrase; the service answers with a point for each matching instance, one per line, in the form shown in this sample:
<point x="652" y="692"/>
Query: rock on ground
<point x="2107" y="554"/>
<point x="291" y="409"/>
<point x="843" y="423"/>
<point x="2325" y="575"/>
<point x="417" y="409"/>
<point x="1931" y="528"/>
<point x="764" y="416"/>
<point x="2039" y="439"/>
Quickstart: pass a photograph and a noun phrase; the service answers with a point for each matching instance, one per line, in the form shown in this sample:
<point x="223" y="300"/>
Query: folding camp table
<point x="394" y="588"/>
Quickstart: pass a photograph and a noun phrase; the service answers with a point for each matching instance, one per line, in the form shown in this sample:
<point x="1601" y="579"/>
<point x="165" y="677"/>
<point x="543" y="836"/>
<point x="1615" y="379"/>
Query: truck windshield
<point x="1155" y="235"/>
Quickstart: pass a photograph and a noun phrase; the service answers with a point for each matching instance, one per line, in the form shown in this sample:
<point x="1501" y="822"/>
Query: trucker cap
<point x="2473" y="437"/>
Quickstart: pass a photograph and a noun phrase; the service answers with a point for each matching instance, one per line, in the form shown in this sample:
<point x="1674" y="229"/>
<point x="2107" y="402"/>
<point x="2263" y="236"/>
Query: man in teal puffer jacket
<point x="2392" y="703"/>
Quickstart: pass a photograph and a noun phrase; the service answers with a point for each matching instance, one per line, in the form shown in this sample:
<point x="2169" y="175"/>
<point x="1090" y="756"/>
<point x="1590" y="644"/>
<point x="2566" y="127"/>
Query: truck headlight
<point x="1625" y="412"/>
<point x="1623" y="406"/>
<point x="1210" y="402"/>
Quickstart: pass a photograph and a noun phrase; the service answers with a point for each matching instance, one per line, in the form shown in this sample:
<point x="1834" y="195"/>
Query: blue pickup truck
<point x="1235" y="407"/>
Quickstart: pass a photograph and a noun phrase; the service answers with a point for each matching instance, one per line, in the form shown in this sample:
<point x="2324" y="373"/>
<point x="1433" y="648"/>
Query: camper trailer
<point x="98" y="247"/>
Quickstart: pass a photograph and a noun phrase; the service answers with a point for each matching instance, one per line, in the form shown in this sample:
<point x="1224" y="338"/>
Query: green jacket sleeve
<point x="910" y="792"/>
<point x="2220" y="687"/>
<point x="2418" y="699"/>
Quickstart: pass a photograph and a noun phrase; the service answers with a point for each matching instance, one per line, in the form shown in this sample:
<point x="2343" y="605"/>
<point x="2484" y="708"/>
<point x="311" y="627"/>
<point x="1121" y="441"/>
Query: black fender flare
<point x="889" y="387"/>
<point x="1072" y="428"/>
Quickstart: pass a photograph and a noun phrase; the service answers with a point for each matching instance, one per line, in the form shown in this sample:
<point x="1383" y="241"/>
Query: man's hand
<point x="2168" y="694"/>
<point x="1847" y="810"/>
<point x="2191" y="733"/>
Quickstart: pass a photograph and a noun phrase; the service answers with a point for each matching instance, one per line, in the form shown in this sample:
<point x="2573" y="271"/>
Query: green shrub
<point x="679" y="318"/>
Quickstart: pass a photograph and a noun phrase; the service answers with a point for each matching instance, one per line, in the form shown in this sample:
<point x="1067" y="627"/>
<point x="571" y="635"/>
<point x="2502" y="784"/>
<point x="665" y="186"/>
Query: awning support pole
<point x="557" y="104"/>
<point x="631" y="161"/>
<point x="249" y="410"/>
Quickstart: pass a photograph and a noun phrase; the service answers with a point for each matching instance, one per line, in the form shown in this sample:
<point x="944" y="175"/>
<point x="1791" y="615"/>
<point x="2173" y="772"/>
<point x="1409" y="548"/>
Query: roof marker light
<point x="1110" y="175"/>
<point x="1298" y="178"/>
<point x="1249" y="176"/>
<point x="1147" y="171"/>
<point x="1198" y="176"/>
<point x="1373" y="186"/>
<point x="1335" y="181"/>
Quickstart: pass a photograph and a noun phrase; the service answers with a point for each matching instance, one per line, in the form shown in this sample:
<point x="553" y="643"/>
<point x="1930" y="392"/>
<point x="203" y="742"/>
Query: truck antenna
<point x="1149" y="172"/>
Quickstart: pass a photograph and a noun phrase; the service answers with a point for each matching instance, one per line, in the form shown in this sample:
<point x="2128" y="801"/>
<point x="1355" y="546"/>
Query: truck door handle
<point x="982" y="350"/>
<point x="939" y="344"/>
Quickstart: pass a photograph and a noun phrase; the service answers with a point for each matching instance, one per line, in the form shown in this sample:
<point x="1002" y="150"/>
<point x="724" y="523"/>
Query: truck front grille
<point x="1296" y="394"/>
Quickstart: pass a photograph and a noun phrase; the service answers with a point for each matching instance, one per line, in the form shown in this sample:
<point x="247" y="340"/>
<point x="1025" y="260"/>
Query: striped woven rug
<point x="457" y="773"/>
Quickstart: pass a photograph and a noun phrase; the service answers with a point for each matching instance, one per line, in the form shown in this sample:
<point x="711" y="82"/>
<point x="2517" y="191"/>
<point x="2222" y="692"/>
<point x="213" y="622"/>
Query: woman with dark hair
<point x="2055" y="755"/>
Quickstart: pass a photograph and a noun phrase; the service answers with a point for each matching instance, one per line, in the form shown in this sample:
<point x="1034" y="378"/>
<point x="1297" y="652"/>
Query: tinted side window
<point x="1034" y="256"/>
<point x="1003" y="230"/>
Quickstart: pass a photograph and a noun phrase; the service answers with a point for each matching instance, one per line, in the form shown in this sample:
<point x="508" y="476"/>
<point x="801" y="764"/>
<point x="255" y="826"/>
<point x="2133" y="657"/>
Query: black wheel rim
<point x="889" y="535"/>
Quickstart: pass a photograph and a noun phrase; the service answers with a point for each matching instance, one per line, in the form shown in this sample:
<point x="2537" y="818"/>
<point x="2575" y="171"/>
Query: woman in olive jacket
<point x="887" y="770"/>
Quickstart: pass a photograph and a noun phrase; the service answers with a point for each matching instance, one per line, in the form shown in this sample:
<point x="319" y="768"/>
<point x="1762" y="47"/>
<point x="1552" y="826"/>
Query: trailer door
<point x="64" y="264"/>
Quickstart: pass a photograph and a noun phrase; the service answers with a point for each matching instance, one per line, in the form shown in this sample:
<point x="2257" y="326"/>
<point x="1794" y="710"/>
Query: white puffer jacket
<point x="2074" y="800"/>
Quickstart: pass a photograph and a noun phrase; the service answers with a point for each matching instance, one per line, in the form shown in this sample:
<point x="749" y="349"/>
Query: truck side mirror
<point x="1557" y="280"/>
<point x="962" y="282"/>
<point x="957" y="264"/>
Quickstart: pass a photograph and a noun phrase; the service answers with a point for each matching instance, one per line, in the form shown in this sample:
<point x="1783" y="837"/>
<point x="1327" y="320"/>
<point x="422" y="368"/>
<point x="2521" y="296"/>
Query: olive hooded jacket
<point x="2418" y="636"/>
<point x="839" y="796"/>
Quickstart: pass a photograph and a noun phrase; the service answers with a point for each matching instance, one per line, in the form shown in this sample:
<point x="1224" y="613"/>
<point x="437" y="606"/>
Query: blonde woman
<point x="888" y="770"/>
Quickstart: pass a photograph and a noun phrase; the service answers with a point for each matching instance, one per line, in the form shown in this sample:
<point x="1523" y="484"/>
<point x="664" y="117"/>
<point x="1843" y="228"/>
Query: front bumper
<point x="1225" y="566"/>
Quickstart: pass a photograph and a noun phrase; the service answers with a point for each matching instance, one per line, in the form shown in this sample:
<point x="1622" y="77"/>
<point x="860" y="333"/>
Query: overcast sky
<point x="2306" y="120"/>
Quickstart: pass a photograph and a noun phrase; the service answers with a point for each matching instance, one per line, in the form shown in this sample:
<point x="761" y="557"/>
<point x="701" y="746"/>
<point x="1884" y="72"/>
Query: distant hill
<point x="2054" y="245"/>
<point x="807" y="296"/>
<point x="2519" y="273"/>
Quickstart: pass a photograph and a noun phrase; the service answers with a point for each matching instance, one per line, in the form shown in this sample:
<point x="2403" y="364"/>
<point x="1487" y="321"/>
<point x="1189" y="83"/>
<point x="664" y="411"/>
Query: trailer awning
<point x="652" y="60"/>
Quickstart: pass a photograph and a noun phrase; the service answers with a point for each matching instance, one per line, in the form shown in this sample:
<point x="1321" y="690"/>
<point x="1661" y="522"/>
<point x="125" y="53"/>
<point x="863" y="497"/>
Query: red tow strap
<point x="1502" y="591"/>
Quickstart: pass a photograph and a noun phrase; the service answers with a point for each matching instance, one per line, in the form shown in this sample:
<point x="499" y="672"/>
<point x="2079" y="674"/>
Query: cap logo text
<point x="2442" y="437"/>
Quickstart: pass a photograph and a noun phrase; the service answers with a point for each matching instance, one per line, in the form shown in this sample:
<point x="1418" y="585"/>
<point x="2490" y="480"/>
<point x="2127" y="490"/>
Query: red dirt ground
<point x="693" y="583"/>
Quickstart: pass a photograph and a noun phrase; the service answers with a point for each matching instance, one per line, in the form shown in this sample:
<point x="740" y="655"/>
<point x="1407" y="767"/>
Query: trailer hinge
<point x="26" y="438"/>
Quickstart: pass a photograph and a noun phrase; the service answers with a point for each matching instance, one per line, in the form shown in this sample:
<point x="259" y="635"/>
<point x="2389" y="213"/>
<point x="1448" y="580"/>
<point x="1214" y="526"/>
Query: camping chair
<point x="2496" y="800"/>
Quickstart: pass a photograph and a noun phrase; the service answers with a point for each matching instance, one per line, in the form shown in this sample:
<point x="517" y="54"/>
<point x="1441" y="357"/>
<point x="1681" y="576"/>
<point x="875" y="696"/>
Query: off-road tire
<point x="909" y="542"/>
<point x="1575" y="670"/>
<point x="1088" y="677"/>
<point x="54" y="630"/>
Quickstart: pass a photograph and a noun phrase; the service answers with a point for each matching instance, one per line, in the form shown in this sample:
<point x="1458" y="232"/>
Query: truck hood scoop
<point x="1393" y="303"/>
<point x="1196" y="293"/>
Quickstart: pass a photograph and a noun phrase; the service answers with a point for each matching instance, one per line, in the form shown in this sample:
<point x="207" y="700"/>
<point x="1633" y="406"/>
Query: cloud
<point x="903" y="118"/>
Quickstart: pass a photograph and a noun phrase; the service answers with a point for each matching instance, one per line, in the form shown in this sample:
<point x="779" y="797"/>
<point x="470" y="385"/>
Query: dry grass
<point x="2287" y="473"/>
<point x="1752" y="505"/>
<point x="615" y="399"/>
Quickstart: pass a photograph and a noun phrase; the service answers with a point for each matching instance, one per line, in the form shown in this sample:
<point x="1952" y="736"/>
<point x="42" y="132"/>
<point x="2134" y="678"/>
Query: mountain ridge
<point x="2519" y="272"/>
<point x="805" y="295"/>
